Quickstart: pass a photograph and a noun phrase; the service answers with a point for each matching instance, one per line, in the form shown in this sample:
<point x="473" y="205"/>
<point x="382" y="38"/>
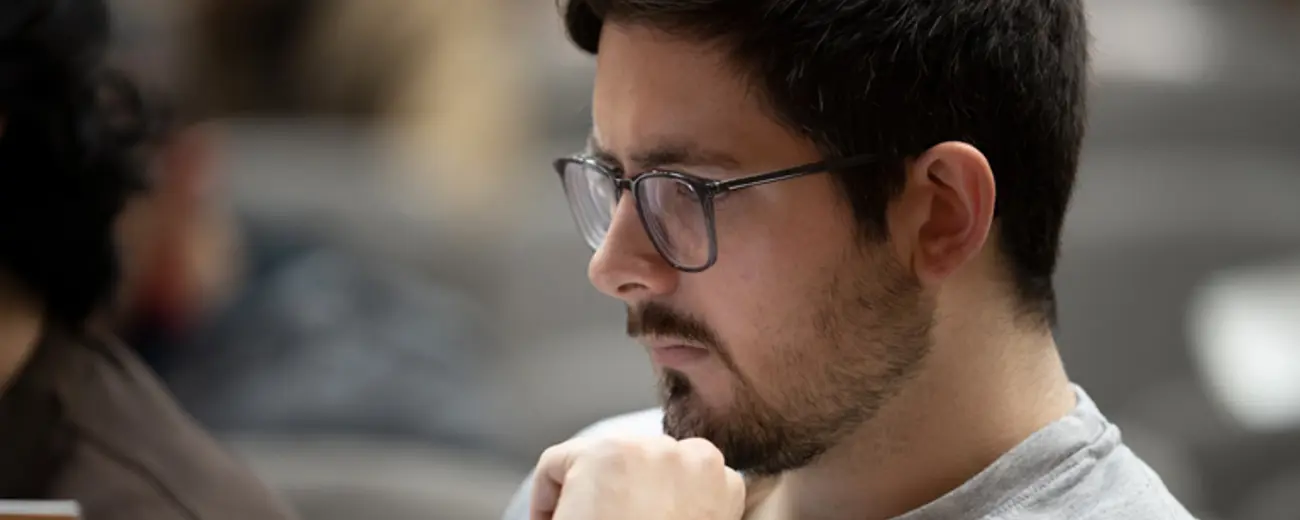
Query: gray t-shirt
<point x="1076" y="468"/>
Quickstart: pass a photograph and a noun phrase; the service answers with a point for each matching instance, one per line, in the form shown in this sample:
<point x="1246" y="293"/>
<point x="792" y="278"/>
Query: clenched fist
<point x="644" y="478"/>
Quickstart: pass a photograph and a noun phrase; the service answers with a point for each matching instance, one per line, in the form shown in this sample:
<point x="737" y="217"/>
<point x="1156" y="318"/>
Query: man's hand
<point x="646" y="478"/>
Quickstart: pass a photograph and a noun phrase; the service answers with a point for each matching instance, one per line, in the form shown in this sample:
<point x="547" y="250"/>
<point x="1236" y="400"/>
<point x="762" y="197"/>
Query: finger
<point x="548" y="478"/>
<point x="736" y="491"/>
<point x="757" y="488"/>
<point x="546" y="496"/>
<point x="704" y="455"/>
<point x="701" y="452"/>
<point x="736" y="483"/>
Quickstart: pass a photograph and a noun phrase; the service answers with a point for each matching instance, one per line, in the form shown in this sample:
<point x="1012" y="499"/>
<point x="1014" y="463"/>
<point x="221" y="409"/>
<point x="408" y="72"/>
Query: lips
<point x="679" y="355"/>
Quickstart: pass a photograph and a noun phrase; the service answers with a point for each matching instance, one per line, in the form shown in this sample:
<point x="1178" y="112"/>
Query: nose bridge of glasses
<point x="622" y="184"/>
<point x="627" y="218"/>
<point x="628" y="251"/>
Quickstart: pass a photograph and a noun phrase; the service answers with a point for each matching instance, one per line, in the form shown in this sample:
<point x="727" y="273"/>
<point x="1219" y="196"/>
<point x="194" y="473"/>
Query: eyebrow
<point x="681" y="153"/>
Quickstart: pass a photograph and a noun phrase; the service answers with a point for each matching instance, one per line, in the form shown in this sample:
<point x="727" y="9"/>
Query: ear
<point x="945" y="212"/>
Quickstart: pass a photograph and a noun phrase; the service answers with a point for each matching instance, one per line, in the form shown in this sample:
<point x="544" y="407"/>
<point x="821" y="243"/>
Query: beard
<point x="861" y="342"/>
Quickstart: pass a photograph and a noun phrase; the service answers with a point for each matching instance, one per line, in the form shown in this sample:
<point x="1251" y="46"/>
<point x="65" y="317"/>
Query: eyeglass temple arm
<point x="797" y="171"/>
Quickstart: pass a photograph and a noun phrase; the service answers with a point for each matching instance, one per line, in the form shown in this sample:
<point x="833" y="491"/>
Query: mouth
<point x="669" y="353"/>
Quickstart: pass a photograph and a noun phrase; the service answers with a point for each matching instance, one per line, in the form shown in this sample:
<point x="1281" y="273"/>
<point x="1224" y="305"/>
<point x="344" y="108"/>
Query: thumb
<point x="548" y="481"/>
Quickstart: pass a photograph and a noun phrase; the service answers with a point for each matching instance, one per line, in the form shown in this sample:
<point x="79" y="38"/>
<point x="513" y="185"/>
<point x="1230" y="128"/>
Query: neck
<point x="21" y="319"/>
<point x="979" y="395"/>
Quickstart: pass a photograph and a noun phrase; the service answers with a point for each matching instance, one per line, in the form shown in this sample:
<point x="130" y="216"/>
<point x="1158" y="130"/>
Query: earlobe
<point x="959" y="186"/>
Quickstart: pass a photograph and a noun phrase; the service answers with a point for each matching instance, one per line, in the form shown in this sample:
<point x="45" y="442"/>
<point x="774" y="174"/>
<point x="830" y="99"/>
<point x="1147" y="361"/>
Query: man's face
<point x="802" y="328"/>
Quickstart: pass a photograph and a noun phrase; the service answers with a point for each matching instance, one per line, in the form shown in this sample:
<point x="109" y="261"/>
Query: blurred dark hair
<point x="896" y="77"/>
<point x="277" y="58"/>
<point x="69" y="154"/>
<point x="247" y="54"/>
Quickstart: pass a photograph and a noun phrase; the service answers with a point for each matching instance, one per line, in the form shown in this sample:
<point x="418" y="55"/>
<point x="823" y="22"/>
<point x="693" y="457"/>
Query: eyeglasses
<point x="676" y="209"/>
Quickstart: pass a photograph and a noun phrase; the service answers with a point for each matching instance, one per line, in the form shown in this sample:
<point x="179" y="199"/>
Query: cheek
<point x="770" y="233"/>
<point x="764" y="305"/>
<point x="777" y="249"/>
<point x="769" y="263"/>
<point x="737" y="305"/>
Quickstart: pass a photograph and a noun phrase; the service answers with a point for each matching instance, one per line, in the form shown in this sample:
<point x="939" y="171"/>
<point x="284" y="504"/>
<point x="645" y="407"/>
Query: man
<point x="81" y="417"/>
<point x="834" y="225"/>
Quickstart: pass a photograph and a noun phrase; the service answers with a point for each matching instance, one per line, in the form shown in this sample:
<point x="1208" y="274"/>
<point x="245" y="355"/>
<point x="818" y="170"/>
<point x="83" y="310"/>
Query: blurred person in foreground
<point x="257" y="326"/>
<point x="80" y="417"/>
<point x="834" y="225"/>
<point x="259" y="323"/>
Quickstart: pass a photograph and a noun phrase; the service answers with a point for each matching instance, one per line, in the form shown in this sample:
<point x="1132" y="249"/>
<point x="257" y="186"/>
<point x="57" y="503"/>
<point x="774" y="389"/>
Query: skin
<point x="178" y="242"/>
<point x="21" y="316"/>
<point x="849" y="377"/>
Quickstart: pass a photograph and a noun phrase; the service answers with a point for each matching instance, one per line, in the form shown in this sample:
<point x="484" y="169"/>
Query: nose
<point x="627" y="266"/>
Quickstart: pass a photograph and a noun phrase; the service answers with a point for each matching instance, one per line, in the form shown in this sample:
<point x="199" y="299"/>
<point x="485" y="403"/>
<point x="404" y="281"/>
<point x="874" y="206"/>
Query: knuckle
<point x="735" y="482"/>
<point x="551" y="454"/>
<point x="618" y="454"/>
<point x="701" y="453"/>
<point x="660" y="452"/>
<point x="628" y="447"/>
<point x="736" y="490"/>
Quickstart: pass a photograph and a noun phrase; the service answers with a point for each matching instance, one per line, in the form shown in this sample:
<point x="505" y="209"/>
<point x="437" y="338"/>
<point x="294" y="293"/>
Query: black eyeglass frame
<point x="705" y="189"/>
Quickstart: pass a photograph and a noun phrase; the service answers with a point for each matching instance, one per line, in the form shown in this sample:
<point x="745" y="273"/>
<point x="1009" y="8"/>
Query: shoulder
<point x="133" y="453"/>
<point x="1118" y="485"/>
<point x="1079" y="468"/>
<point x="645" y="422"/>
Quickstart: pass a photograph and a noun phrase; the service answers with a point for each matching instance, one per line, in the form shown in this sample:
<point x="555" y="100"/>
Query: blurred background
<point x="358" y="269"/>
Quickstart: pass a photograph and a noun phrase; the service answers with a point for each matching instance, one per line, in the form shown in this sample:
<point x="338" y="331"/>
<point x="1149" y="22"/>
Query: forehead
<point x="655" y="89"/>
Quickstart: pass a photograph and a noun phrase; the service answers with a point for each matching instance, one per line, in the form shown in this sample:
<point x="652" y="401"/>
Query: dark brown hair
<point x="895" y="77"/>
<point x="69" y="154"/>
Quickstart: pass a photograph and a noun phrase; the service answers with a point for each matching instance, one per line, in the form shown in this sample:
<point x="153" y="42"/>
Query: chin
<point x="753" y="438"/>
<point x="689" y="417"/>
<point x="686" y="413"/>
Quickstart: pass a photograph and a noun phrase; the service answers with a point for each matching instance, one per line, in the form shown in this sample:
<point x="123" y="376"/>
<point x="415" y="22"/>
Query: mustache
<point x="654" y="319"/>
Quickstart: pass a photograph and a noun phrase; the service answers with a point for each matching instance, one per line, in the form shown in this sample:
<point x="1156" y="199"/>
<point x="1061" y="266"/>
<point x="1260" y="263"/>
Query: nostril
<point x="631" y="288"/>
